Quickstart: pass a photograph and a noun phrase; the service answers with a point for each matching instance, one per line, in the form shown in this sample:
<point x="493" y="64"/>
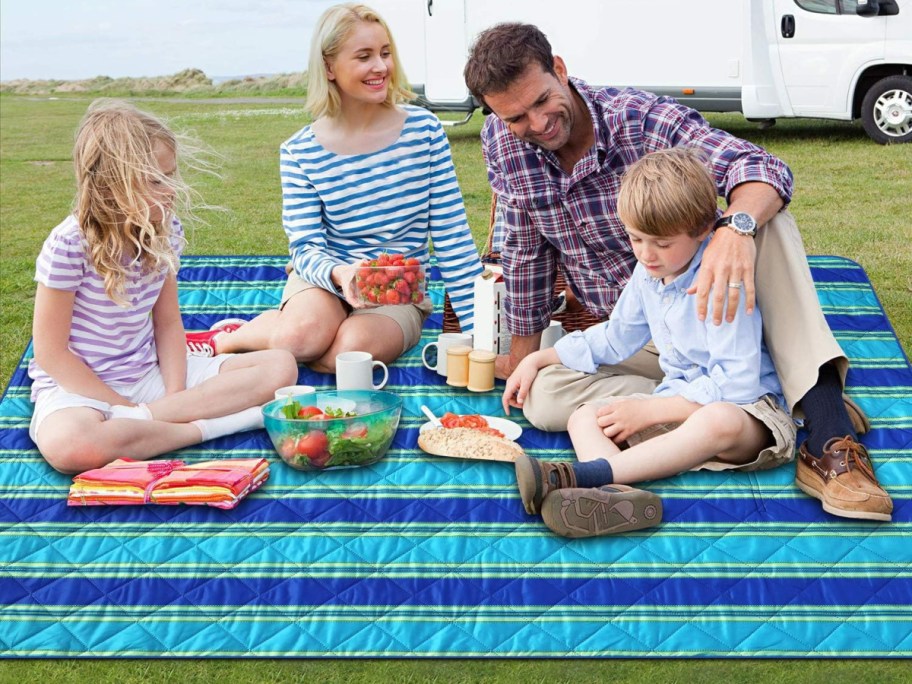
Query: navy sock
<point x="593" y="473"/>
<point x="824" y="411"/>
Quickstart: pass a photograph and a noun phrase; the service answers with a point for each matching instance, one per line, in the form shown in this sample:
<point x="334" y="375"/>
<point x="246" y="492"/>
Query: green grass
<point x="852" y="199"/>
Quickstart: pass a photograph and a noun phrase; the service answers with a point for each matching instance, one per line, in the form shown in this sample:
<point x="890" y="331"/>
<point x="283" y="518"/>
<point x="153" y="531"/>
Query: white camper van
<point x="831" y="59"/>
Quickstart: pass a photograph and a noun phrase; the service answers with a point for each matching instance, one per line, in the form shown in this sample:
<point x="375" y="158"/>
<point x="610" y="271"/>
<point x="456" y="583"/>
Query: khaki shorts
<point x="409" y="317"/>
<point x="765" y="409"/>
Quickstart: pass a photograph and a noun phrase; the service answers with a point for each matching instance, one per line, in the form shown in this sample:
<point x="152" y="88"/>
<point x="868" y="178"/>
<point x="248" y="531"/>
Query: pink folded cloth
<point x="213" y="483"/>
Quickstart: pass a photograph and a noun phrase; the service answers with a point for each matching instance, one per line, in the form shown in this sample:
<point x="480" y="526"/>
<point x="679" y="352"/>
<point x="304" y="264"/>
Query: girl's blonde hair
<point x="667" y="193"/>
<point x="116" y="172"/>
<point x="333" y="29"/>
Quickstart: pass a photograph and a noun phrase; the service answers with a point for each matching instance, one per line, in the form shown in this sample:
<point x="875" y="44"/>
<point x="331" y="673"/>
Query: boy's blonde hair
<point x="667" y="193"/>
<point x="115" y="164"/>
<point x="333" y="29"/>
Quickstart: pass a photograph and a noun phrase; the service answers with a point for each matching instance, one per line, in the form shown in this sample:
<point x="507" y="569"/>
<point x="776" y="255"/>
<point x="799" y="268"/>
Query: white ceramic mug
<point x="293" y="391"/>
<point x="355" y="371"/>
<point x="551" y="334"/>
<point x="444" y="342"/>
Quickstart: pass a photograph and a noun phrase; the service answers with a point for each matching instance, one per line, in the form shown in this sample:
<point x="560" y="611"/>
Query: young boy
<point x="719" y="405"/>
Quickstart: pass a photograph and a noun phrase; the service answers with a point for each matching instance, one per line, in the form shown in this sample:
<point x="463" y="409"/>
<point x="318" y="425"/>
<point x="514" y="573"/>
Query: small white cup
<point x="355" y="371"/>
<point x="444" y="342"/>
<point x="293" y="391"/>
<point x="552" y="334"/>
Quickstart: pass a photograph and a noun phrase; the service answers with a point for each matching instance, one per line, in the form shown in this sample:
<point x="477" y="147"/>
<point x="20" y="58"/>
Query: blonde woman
<point x="371" y="174"/>
<point x="109" y="379"/>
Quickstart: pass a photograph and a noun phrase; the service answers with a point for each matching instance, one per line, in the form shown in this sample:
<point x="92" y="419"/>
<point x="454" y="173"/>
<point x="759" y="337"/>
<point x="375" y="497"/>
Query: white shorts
<point x="148" y="388"/>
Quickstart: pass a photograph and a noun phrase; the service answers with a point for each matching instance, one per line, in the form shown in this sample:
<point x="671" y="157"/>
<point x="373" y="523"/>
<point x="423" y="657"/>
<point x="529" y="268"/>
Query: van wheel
<point x="886" y="110"/>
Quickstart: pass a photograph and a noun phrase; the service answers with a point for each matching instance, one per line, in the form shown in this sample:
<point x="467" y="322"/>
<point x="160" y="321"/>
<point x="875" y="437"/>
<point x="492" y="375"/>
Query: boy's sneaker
<point x="610" y="509"/>
<point x="844" y="481"/>
<point x="536" y="479"/>
<point x="203" y="343"/>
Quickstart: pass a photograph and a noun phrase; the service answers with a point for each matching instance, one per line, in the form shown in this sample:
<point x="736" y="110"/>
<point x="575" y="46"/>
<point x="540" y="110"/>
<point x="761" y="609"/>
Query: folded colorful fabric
<point x="212" y="483"/>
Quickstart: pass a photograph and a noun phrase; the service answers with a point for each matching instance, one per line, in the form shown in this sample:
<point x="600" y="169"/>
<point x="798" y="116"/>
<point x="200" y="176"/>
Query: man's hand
<point x="503" y="366"/>
<point x="727" y="269"/>
<point x="520" y="347"/>
<point x="729" y="258"/>
<point x="622" y="419"/>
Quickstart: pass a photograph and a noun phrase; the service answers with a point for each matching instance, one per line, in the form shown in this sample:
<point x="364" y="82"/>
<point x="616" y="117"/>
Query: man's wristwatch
<point x="740" y="222"/>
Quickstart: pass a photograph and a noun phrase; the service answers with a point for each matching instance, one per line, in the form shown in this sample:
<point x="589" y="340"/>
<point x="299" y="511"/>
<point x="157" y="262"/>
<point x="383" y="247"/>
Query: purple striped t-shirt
<point x="116" y="342"/>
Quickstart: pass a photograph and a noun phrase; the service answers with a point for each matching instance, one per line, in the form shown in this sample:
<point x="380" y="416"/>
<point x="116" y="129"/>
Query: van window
<point x="828" y="6"/>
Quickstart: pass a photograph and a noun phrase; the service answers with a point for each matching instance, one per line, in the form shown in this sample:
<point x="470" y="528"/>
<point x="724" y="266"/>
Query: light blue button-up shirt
<point x="702" y="362"/>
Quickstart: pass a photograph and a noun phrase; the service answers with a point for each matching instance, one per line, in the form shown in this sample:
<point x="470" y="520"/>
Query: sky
<point x="75" y="39"/>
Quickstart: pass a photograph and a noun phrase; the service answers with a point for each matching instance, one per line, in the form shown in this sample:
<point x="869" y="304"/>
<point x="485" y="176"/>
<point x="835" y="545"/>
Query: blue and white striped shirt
<point x="340" y="208"/>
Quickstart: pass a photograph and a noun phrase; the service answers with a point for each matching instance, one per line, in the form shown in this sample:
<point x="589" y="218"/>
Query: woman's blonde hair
<point x="116" y="172"/>
<point x="333" y="29"/>
<point x="667" y="193"/>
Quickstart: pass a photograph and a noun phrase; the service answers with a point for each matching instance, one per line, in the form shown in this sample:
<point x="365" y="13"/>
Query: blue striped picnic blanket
<point x="419" y="556"/>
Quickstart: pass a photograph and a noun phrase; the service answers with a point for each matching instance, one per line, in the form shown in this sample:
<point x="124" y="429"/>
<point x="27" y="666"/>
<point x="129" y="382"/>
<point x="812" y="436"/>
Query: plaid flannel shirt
<point x="549" y="217"/>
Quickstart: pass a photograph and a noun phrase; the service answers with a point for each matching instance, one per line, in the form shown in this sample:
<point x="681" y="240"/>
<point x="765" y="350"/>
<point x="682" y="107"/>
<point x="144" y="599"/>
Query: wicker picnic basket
<point x="573" y="317"/>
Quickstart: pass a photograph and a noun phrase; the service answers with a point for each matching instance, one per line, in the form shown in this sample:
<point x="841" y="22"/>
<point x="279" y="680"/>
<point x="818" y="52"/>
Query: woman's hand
<point x="343" y="277"/>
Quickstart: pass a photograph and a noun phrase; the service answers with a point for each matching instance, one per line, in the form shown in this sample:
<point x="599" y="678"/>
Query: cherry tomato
<point x="287" y="448"/>
<point x="313" y="444"/>
<point x="355" y="431"/>
<point x="310" y="413"/>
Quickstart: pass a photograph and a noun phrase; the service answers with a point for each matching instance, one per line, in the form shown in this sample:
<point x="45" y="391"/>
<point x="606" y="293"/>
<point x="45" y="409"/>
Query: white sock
<point x="138" y="412"/>
<point x="248" y="419"/>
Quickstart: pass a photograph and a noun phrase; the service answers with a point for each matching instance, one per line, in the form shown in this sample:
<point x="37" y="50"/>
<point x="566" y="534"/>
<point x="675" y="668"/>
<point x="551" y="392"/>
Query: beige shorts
<point x="409" y="317"/>
<point x="765" y="409"/>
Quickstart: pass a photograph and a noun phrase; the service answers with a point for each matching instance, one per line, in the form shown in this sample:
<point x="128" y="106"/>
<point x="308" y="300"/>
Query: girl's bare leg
<point x="243" y="381"/>
<point x="77" y="439"/>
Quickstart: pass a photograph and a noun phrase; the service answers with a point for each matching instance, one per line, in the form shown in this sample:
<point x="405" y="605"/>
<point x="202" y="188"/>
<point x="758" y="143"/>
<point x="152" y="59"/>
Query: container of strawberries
<point x="391" y="279"/>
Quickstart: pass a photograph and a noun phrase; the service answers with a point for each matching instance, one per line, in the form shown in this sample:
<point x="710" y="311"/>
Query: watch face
<point x="744" y="223"/>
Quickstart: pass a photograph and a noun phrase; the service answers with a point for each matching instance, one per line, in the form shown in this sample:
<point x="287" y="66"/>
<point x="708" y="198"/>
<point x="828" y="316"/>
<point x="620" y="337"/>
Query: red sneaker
<point x="228" y="325"/>
<point x="203" y="343"/>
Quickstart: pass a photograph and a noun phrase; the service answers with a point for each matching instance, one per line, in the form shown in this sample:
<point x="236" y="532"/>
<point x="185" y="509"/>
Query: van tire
<point x="886" y="111"/>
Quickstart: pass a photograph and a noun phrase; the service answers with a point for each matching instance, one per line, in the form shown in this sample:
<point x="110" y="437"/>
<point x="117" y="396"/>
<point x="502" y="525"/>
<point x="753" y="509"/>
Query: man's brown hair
<point x="501" y="54"/>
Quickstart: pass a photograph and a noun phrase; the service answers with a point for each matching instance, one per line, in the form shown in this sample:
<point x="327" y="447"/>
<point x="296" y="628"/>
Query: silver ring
<point x="737" y="286"/>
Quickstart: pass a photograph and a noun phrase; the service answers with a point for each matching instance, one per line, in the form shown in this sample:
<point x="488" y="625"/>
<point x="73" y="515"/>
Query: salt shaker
<point x="458" y="365"/>
<point x="481" y="370"/>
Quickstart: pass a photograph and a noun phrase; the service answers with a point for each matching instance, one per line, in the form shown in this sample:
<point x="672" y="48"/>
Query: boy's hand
<point x="521" y="379"/>
<point x="623" y="418"/>
<point x="518" y="384"/>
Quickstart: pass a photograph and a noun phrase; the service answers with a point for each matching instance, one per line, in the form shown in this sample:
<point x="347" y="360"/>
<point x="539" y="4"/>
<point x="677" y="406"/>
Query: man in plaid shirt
<point x="555" y="150"/>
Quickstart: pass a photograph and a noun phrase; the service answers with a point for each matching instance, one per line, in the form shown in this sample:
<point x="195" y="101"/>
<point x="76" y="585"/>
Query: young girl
<point x="111" y="377"/>
<point x="370" y="175"/>
<point x="720" y="404"/>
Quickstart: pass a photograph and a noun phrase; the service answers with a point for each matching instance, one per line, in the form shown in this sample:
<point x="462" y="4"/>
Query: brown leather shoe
<point x="536" y="479"/>
<point x="860" y="422"/>
<point x="611" y="509"/>
<point x="843" y="479"/>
